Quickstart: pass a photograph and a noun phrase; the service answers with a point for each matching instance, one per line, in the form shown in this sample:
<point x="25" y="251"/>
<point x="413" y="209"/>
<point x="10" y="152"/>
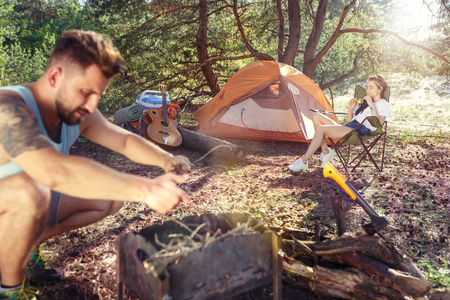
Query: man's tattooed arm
<point x="19" y="129"/>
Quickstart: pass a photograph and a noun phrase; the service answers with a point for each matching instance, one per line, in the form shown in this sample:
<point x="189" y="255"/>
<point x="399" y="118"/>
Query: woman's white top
<point x="382" y="108"/>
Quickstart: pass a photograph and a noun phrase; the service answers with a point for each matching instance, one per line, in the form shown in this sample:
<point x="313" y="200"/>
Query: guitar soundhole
<point x="164" y="123"/>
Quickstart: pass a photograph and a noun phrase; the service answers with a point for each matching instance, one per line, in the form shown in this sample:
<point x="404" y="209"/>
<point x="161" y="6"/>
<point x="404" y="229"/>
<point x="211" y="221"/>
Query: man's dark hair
<point x="84" y="48"/>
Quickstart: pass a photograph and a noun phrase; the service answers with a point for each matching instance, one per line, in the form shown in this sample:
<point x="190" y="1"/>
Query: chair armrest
<point x="375" y="122"/>
<point x="322" y="111"/>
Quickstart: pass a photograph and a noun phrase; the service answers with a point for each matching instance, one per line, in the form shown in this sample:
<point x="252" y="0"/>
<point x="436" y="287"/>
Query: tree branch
<point x="280" y="29"/>
<point x="175" y="25"/>
<point x="444" y="4"/>
<point x="441" y="57"/>
<point x="210" y="60"/>
<point x="260" y="56"/>
<point x="336" y="33"/>
<point x="167" y="12"/>
<point x="345" y="76"/>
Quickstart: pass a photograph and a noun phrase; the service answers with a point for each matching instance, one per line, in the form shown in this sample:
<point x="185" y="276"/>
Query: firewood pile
<point x="353" y="267"/>
<point x="202" y="257"/>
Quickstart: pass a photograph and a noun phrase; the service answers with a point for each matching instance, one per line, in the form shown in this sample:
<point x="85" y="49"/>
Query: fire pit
<point x="199" y="257"/>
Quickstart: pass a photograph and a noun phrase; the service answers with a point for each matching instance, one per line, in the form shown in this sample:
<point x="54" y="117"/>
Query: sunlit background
<point x="413" y="18"/>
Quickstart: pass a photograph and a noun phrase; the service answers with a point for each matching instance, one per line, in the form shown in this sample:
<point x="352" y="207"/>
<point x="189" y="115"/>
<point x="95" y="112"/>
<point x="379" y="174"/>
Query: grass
<point x="439" y="277"/>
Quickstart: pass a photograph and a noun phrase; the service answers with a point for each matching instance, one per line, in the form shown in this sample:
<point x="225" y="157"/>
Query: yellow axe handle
<point x="329" y="170"/>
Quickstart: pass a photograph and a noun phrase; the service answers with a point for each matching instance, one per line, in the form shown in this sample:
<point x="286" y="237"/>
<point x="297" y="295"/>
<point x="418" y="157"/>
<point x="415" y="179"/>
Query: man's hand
<point x="164" y="194"/>
<point x="178" y="165"/>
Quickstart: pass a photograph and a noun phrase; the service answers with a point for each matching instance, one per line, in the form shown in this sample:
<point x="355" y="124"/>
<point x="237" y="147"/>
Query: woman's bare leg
<point x="320" y="119"/>
<point x="323" y="131"/>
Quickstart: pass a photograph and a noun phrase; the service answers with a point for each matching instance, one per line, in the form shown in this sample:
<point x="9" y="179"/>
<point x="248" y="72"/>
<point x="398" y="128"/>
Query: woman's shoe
<point x="327" y="157"/>
<point x="298" y="166"/>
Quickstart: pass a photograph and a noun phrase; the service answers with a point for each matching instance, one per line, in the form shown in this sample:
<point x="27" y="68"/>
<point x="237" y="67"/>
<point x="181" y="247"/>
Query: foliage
<point x="160" y="41"/>
<point x="34" y="19"/>
<point x="28" y="32"/>
<point x="339" y="59"/>
<point x="2" y="63"/>
<point x="23" y="65"/>
<point x="440" y="277"/>
<point x="6" y="30"/>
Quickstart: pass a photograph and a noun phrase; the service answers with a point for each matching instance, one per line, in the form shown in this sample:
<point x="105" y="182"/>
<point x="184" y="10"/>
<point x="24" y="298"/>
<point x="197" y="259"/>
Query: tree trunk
<point x="309" y="61"/>
<point x="294" y="33"/>
<point x="280" y="30"/>
<point x="202" y="47"/>
<point x="218" y="149"/>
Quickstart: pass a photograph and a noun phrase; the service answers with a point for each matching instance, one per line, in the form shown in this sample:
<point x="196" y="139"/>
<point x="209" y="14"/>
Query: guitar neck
<point x="164" y="93"/>
<point x="164" y="106"/>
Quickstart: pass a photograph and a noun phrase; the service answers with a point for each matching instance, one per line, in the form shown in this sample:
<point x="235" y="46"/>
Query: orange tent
<point x="265" y="100"/>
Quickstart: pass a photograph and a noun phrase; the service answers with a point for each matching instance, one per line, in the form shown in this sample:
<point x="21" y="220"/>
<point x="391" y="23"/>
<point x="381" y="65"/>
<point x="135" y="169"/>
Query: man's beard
<point x="65" y="113"/>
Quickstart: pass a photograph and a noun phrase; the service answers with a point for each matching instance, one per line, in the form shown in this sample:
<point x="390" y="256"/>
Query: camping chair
<point x="367" y="142"/>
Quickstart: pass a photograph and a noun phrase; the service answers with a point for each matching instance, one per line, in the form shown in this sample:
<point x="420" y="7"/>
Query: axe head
<point x="377" y="223"/>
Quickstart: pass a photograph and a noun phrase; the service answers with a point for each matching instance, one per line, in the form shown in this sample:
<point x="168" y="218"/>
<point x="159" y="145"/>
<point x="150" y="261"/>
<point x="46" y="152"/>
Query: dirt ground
<point x="412" y="191"/>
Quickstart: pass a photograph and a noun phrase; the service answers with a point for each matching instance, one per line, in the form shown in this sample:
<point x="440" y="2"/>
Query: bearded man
<point x="44" y="191"/>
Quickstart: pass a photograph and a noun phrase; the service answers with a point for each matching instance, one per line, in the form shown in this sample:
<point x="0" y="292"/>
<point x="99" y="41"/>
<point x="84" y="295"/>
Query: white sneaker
<point x="298" y="166"/>
<point x="327" y="157"/>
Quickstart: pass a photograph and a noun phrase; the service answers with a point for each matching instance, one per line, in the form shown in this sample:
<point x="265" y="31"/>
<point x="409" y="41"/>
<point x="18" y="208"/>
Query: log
<point x="397" y="280"/>
<point x="342" y="283"/>
<point x="216" y="148"/>
<point x="372" y="246"/>
<point x="352" y="267"/>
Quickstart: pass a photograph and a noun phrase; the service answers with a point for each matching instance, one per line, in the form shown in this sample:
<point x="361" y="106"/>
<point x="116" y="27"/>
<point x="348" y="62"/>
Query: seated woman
<point x="373" y="105"/>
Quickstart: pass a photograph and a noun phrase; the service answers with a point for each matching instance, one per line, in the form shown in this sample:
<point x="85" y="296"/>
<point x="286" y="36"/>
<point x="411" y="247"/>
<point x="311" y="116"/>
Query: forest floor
<point x="412" y="191"/>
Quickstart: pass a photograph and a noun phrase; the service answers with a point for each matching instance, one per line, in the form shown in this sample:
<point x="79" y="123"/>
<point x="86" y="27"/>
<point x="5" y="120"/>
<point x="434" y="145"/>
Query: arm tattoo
<point x="19" y="129"/>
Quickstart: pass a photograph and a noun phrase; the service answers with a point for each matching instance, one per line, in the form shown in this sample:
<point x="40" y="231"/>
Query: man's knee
<point x="22" y="193"/>
<point x="107" y="208"/>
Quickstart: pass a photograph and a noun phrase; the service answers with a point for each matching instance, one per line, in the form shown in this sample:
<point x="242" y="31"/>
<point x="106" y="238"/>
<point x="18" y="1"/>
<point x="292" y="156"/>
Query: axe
<point x="378" y="222"/>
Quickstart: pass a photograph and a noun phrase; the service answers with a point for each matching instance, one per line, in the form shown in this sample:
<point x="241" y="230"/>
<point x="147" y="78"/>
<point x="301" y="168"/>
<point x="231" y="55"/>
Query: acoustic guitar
<point x="162" y="130"/>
